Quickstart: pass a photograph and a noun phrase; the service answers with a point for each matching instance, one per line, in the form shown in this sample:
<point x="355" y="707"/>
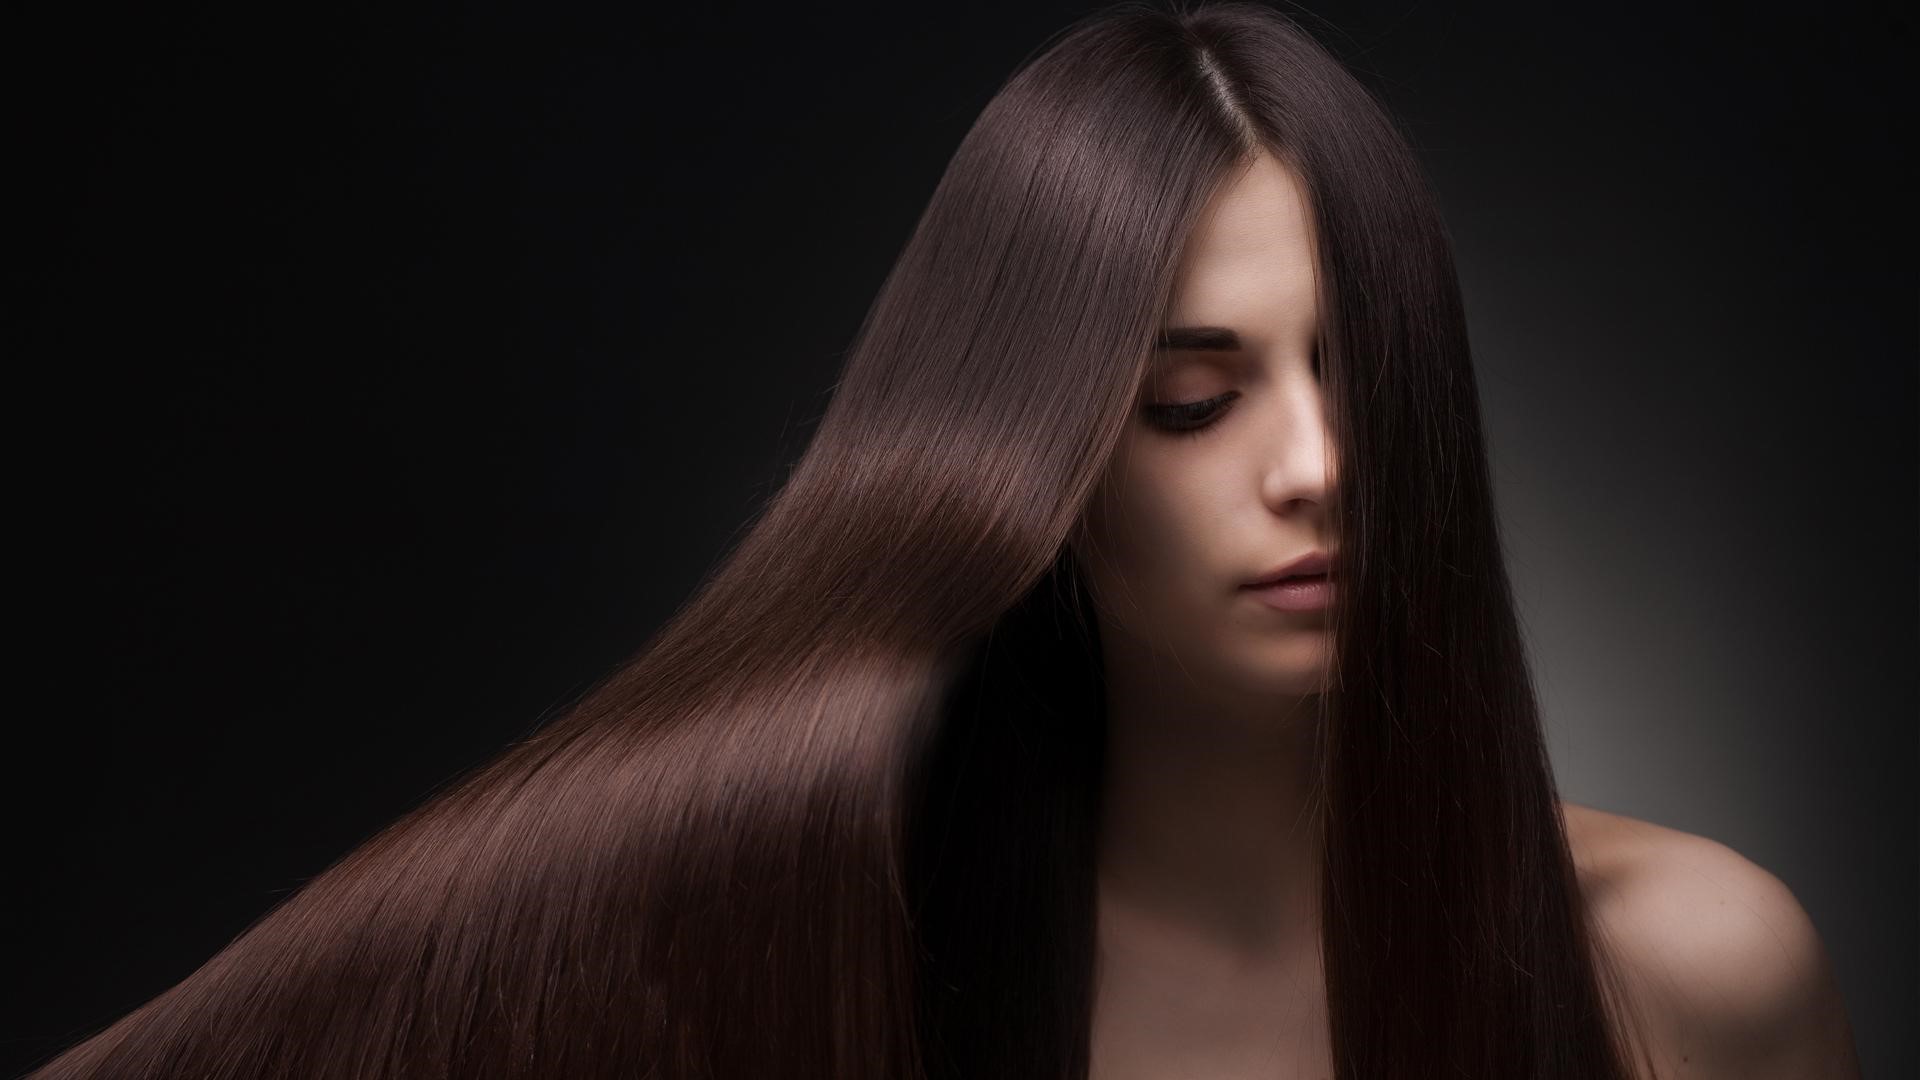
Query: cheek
<point x="1155" y="537"/>
<point x="1154" y="530"/>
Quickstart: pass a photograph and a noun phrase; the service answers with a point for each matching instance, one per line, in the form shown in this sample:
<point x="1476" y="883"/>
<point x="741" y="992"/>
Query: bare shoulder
<point x="1730" y="971"/>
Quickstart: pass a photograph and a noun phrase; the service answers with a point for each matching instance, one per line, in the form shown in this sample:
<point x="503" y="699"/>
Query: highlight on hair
<point x="837" y="817"/>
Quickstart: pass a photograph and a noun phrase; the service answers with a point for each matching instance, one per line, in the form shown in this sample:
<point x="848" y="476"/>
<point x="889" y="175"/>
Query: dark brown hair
<point x="837" y="818"/>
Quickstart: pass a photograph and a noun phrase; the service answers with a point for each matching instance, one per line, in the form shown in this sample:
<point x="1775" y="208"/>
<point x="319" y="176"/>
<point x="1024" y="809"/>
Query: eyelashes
<point x="1192" y="417"/>
<point x="1188" y="417"/>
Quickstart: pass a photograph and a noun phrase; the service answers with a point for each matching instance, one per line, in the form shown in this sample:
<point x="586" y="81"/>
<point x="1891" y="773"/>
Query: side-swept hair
<point x="837" y="818"/>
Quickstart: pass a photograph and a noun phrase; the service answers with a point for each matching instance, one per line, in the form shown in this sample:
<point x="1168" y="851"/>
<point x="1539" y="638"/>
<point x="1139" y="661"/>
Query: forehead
<point x="1248" y="263"/>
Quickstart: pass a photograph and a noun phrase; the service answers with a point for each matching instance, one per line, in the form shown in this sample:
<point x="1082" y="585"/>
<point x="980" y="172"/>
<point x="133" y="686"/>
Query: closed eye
<point x="1188" y="417"/>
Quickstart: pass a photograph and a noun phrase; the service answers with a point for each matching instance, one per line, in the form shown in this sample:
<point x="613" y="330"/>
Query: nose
<point x="1298" y="467"/>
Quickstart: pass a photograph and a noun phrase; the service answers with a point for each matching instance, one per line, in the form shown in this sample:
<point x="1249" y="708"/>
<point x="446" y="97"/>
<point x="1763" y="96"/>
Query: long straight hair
<point x="837" y="817"/>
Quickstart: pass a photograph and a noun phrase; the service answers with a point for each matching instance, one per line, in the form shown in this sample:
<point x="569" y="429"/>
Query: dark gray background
<point x="391" y="371"/>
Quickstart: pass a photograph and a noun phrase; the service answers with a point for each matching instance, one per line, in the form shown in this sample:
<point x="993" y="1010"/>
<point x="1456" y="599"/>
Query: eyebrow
<point x="1199" y="338"/>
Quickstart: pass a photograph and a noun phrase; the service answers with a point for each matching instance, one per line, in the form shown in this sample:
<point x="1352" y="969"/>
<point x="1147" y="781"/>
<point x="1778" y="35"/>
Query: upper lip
<point x="1313" y="562"/>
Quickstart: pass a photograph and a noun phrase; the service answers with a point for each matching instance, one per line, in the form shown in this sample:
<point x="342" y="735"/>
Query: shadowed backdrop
<point x="389" y="372"/>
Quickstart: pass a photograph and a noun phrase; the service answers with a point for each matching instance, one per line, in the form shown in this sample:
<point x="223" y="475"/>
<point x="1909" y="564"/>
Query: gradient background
<point x="392" y="372"/>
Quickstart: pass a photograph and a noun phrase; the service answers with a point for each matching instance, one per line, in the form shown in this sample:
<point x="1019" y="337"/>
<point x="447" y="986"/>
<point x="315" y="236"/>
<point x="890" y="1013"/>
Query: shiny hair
<point x="837" y="817"/>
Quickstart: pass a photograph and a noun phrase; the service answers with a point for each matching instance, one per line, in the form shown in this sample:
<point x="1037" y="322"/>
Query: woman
<point x="988" y="754"/>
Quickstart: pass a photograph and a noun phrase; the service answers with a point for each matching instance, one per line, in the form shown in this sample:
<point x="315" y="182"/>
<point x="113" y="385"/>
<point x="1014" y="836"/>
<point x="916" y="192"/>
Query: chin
<point x="1290" y="669"/>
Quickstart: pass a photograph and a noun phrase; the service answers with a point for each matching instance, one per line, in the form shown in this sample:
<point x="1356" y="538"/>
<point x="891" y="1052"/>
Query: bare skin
<point x="1721" y="964"/>
<point x="1170" y="1006"/>
<point x="1209" y="690"/>
<point x="1208" y="929"/>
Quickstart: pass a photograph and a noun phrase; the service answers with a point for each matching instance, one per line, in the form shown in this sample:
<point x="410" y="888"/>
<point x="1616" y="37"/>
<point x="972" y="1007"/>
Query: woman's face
<point x="1184" y="518"/>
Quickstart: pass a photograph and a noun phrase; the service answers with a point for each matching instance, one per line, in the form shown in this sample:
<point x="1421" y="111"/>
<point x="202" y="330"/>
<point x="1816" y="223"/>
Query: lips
<point x="1296" y="593"/>
<point x="1315" y="565"/>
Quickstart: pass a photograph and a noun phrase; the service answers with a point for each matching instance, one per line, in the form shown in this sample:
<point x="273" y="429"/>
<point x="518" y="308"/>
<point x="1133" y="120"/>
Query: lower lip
<point x="1296" y="594"/>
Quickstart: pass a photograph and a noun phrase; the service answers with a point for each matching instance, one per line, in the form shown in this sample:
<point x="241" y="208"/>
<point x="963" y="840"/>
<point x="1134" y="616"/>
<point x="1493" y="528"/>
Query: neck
<point x="1208" y="835"/>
